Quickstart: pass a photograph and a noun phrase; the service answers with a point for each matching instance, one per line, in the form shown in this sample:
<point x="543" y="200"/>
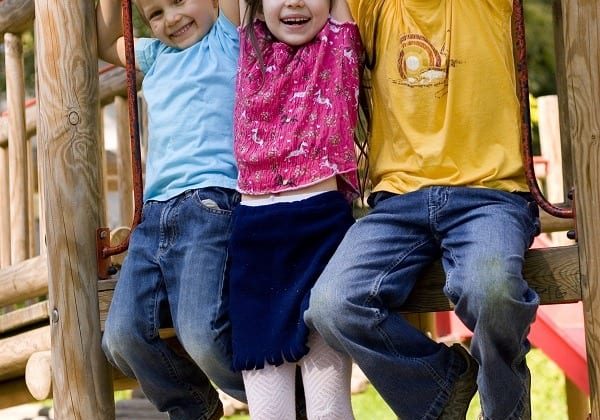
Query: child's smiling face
<point x="179" y="23"/>
<point x="295" y="22"/>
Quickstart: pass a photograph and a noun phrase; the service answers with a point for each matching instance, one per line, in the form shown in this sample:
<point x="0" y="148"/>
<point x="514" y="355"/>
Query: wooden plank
<point x="582" y="60"/>
<point x="17" y="152"/>
<point x="29" y="315"/>
<point x="69" y="156"/>
<point x="25" y="280"/>
<point x="16" y="350"/>
<point x="552" y="272"/>
<point x="15" y="15"/>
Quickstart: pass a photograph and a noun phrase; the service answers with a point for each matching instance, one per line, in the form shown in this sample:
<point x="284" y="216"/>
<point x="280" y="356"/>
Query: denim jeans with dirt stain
<point x="174" y="274"/>
<point x="481" y="236"/>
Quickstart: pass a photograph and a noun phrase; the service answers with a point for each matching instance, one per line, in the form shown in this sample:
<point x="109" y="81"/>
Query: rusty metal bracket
<point x="105" y="267"/>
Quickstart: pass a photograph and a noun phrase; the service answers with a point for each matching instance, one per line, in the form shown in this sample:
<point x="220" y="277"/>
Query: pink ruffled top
<point x="294" y="121"/>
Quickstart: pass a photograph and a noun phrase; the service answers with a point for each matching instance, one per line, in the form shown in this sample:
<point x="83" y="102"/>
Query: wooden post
<point x="17" y="148"/>
<point x="125" y="180"/>
<point x="4" y="210"/>
<point x="31" y="185"/>
<point x="582" y="61"/>
<point x="563" y="106"/>
<point x="71" y="168"/>
<point x="549" y="128"/>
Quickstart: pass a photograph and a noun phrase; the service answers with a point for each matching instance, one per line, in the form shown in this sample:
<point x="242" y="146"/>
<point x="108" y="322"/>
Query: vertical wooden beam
<point x="104" y="160"/>
<point x="125" y="180"/>
<point x="72" y="171"/>
<point x="549" y="129"/>
<point x="582" y="61"/>
<point x="31" y="185"/>
<point x="4" y="210"/>
<point x="17" y="148"/>
<point x="563" y="105"/>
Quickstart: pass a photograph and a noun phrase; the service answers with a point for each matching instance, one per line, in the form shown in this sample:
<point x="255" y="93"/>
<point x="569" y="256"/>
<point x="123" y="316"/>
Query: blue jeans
<point x="173" y="274"/>
<point x="481" y="236"/>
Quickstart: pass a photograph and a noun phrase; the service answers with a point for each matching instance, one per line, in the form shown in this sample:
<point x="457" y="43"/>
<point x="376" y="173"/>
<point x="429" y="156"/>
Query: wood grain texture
<point x="112" y="83"/>
<point x="25" y="280"/>
<point x="71" y="167"/>
<point x="581" y="35"/>
<point x="17" y="152"/>
<point x="15" y="15"/>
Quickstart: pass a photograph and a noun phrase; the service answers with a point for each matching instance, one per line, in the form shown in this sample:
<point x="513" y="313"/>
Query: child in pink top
<point x="294" y="119"/>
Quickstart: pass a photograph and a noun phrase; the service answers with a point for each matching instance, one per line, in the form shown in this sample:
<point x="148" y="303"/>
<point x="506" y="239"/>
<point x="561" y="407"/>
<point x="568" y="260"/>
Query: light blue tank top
<point x="190" y="96"/>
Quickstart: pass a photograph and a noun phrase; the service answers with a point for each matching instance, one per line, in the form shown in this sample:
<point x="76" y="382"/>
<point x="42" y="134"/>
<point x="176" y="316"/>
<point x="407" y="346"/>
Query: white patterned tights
<point x="326" y="378"/>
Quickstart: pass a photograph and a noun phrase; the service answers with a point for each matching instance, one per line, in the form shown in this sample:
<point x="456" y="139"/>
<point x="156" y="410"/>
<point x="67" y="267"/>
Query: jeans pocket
<point x="216" y="200"/>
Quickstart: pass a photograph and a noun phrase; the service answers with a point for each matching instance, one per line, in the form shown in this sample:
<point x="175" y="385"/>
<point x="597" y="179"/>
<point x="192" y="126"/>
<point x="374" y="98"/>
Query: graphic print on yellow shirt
<point x="420" y="61"/>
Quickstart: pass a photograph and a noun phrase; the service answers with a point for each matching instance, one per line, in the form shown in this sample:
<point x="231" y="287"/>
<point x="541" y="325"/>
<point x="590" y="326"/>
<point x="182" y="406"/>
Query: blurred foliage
<point x="540" y="50"/>
<point x="540" y="47"/>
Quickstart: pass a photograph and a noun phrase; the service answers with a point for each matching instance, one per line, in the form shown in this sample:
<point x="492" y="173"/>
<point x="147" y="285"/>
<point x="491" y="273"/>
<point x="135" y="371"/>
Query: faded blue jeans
<point x="174" y="273"/>
<point x="481" y="236"/>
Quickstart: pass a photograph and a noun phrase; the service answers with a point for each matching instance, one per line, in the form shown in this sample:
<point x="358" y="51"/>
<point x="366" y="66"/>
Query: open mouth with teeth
<point x="295" y="21"/>
<point x="181" y="30"/>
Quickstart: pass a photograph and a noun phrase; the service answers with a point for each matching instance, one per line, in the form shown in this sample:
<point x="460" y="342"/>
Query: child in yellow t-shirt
<point x="448" y="182"/>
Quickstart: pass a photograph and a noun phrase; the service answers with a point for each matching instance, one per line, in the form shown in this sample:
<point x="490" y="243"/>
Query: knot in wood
<point x="74" y="118"/>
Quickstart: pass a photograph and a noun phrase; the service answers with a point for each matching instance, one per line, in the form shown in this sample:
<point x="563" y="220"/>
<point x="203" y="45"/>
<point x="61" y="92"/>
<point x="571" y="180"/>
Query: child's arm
<point x="340" y="11"/>
<point x="111" y="45"/>
<point x="231" y="9"/>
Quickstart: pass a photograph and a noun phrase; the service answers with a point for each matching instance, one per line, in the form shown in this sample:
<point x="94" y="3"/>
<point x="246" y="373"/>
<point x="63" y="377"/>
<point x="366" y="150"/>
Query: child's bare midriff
<point x="329" y="184"/>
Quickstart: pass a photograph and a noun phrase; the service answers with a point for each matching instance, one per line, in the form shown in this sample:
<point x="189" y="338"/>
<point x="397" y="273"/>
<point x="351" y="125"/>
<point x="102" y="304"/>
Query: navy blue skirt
<point x="276" y="254"/>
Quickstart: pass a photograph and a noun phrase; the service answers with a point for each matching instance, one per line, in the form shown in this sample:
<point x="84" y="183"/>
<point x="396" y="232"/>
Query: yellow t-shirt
<point x="445" y="109"/>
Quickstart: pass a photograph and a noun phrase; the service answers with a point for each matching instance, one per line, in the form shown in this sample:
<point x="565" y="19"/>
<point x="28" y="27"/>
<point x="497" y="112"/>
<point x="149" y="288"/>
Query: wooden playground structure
<point x="50" y="346"/>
